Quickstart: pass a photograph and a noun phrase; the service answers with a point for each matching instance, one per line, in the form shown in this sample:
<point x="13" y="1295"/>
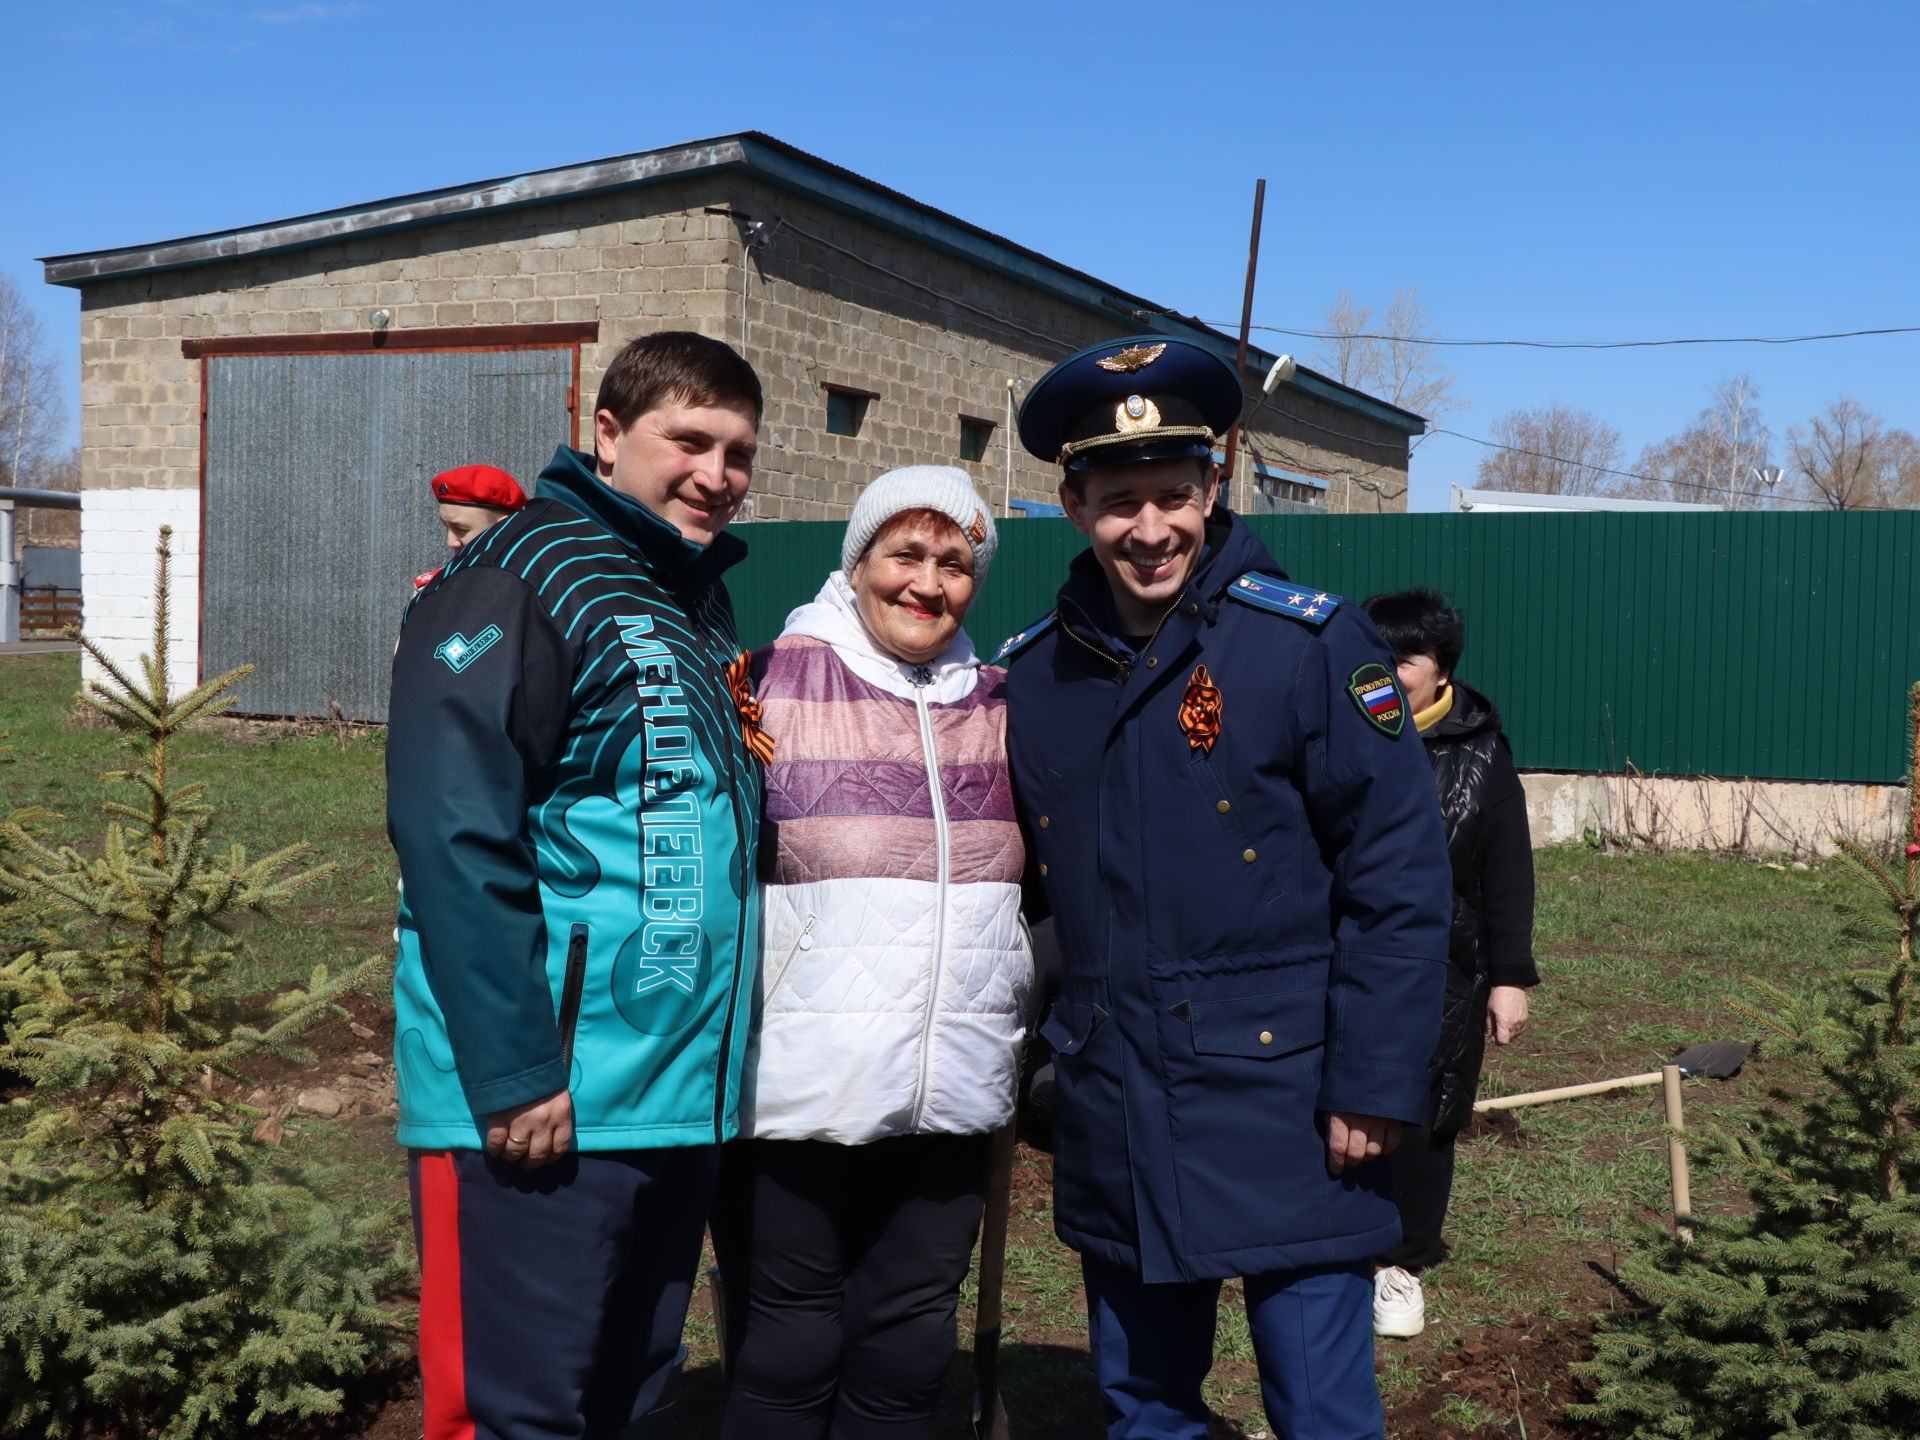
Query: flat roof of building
<point x="1519" y="501"/>
<point x="762" y="156"/>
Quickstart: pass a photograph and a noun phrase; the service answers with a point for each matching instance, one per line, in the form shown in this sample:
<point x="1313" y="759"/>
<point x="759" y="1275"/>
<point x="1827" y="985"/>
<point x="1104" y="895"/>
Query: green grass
<point x="272" y="784"/>
<point x="1466" y="1414"/>
<point x="1640" y="955"/>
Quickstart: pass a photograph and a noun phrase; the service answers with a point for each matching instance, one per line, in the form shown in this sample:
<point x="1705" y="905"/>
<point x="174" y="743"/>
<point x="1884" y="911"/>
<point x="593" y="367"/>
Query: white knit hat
<point x="943" y="489"/>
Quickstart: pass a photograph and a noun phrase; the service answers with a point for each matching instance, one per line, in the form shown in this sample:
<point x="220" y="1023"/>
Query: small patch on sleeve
<point x="1014" y="644"/>
<point x="458" y="652"/>
<point x="1281" y="597"/>
<point x="1377" y="693"/>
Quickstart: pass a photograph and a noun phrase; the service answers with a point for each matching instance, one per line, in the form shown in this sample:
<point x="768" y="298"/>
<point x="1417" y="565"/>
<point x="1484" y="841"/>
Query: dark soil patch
<point x="1512" y="1379"/>
<point x="397" y="1416"/>
<point x="333" y="1041"/>
<point x="1502" y="1126"/>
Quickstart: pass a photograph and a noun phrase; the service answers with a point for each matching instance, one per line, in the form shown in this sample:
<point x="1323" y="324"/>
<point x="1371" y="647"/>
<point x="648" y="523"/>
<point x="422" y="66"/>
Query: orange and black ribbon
<point x="757" y="740"/>
<point x="1200" y="710"/>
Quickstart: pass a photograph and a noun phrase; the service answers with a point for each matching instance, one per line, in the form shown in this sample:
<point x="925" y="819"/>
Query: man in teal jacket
<point x="574" y="793"/>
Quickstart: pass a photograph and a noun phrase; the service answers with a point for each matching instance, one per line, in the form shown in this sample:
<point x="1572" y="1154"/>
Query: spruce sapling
<point x="1803" y="1317"/>
<point x="162" y="1272"/>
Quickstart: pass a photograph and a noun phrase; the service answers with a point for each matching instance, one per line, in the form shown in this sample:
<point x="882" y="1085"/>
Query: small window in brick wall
<point x="975" y="436"/>
<point x="847" y="409"/>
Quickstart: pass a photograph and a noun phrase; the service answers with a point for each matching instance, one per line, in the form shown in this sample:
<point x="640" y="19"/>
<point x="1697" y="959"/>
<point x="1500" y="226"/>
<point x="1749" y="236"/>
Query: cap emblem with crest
<point x="1136" y="412"/>
<point x="1136" y="399"/>
<point x="1134" y="357"/>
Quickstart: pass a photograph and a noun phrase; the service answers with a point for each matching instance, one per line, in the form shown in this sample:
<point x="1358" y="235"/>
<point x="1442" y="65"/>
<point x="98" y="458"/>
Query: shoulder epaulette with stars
<point x="1282" y="597"/>
<point x="1014" y="644"/>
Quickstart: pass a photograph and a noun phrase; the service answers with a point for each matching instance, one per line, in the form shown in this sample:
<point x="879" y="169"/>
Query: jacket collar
<point x="1470" y="714"/>
<point x="834" y="616"/>
<point x="1086" y="599"/>
<point x="1425" y="720"/>
<point x="570" y="479"/>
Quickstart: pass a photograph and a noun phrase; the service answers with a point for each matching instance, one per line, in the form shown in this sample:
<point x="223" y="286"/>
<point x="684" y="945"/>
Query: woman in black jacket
<point x="1491" y="967"/>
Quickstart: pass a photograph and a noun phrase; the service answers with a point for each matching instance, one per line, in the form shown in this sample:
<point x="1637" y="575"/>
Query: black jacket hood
<point x="1472" y="714"/>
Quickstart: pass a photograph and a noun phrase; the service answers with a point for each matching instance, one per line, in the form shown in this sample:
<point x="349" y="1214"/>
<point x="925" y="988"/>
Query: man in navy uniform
<point x="1235" y="829"/>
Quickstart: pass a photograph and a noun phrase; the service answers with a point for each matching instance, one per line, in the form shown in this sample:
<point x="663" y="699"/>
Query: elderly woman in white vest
<point x="895" y="980"/>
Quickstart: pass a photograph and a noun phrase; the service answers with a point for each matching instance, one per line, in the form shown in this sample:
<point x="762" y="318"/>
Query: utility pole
<point x="1246" y="324"/>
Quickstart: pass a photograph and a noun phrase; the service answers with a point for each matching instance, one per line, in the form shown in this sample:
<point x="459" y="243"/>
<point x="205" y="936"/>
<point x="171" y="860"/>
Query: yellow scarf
<point x="1426" y="719"/>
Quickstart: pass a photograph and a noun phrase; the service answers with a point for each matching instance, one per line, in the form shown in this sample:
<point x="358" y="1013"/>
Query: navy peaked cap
<point x="1147" y="397"/>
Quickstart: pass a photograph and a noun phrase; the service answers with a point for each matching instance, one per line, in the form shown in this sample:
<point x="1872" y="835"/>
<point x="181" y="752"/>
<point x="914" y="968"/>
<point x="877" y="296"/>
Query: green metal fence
<point x="1770" y="646"/>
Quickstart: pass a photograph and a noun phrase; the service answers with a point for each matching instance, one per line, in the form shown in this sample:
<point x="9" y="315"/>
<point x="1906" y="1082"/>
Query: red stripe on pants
<point x="443" y="1367"/>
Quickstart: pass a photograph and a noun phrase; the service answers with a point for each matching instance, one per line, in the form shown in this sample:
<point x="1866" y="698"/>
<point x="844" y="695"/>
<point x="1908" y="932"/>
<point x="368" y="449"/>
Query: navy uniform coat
<point x="1251" y="936"/>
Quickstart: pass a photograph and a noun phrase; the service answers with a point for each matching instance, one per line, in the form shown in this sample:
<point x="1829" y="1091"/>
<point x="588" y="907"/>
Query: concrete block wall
<point x="833" y="300"/>
<point x="36" y="525"/>
<point x="1300" y="432"/>
<point x="886" y="322"/>
<point x="120" y="529"/>
<point x="641" y="261"/>
<point x="828" y="299"/>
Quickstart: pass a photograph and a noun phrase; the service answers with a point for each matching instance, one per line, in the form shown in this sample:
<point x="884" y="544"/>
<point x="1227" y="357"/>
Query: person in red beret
<point x="472" y="500"/>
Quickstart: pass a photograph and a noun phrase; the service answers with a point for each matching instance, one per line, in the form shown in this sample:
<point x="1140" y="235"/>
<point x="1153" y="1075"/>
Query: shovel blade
<point x="1714" y="1060"/>
<point x="990" y="1419"/>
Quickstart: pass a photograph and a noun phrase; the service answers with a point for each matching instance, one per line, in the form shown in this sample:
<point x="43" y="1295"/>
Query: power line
<point x="1698" y="485"/>
<point x="1435" y="341"/>
<point x="1577" y="464"/>
<point x="1585" y="344"/>
<point x="932" y="290"/>
<point x="1627" y="474"/>
<point x="1432" y="430"/>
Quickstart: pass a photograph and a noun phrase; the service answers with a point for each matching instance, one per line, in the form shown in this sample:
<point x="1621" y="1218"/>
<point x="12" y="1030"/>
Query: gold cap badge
<point x="1134" y="357"/>
<point x="1136" y="412"/>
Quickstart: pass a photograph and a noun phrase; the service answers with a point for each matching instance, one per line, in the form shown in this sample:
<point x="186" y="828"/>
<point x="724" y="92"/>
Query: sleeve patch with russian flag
<point x="1377" y="693"/>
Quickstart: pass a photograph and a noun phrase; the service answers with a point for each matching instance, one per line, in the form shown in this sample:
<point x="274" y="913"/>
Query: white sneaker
<point x="1399" y="1305"/>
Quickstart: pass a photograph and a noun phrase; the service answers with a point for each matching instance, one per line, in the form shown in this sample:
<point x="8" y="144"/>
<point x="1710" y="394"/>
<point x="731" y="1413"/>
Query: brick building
<point x="282" y="390"/>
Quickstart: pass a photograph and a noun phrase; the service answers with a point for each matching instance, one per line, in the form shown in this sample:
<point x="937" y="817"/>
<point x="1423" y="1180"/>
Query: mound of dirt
<point x="1509" y="1379"/>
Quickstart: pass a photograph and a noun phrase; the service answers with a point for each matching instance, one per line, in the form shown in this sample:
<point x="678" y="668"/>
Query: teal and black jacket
<point x="576" y="811"/>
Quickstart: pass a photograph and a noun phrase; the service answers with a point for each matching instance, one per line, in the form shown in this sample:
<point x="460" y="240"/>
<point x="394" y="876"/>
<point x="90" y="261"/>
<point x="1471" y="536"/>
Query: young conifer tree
<point x="1803" y="1317"/>
<point x="12" y="906"/>
<point x="162" y="1273"/>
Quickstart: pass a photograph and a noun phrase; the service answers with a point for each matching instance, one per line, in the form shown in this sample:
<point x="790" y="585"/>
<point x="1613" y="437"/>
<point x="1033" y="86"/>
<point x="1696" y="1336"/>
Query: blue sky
<point x="1542" y="169"/>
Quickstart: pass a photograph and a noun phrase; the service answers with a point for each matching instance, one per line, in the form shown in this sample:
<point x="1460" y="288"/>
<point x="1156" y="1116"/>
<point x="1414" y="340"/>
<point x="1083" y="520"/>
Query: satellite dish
<point x="1281" y="372"/>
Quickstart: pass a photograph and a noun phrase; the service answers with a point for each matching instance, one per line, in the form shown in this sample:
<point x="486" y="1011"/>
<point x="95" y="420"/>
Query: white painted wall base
<point x="1696" y="812"/>
<point x="119" y="530"/>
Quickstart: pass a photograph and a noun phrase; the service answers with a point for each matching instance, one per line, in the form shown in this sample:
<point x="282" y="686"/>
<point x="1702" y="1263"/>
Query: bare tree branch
<point x="31" y="412"/>
<point x="1393" y="369"/>
<point x="1554" y="450"/>
<point x="1849" y="460"/>
<point x="1720" y="459"/>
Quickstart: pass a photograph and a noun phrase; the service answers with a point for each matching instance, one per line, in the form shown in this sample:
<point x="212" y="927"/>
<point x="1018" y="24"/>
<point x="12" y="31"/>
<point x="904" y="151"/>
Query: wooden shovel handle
<point x="989" y="1411"/>
<point x="1566" y="1092"/>
<point x="993" y="1233"/>
<point x="1677" y="1154"/>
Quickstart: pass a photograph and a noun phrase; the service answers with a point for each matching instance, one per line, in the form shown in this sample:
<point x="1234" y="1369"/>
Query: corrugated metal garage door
<point x="317" y="510"/>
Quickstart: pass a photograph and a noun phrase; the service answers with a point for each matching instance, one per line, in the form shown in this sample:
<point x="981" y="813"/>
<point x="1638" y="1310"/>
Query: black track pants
<point x="1423" y="1183"/>
<point x="842" y="1267"/>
